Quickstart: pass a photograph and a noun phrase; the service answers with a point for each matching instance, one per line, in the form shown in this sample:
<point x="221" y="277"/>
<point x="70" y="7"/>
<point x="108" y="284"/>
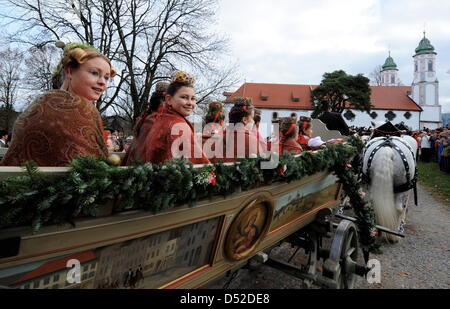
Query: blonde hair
<point x="77" y="56"/>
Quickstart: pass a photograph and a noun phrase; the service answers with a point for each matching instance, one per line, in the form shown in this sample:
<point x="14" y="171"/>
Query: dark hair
<point x="304" y="124"/>
<point x="215" y="113"/>
<point x="174" y="87"/>
<point x="158" y="96"/>
<point x="288" y="127"/>
<point x="242" y="108"/>
<point x="257" y="117"/>
<point x="3" y="133"/>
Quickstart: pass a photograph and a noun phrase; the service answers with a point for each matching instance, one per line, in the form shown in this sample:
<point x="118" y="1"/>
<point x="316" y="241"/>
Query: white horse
<point x="389" y="164"/>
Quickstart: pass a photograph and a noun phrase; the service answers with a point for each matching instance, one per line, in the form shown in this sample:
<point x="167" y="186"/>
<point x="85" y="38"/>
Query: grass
<point x="433" y="179"/>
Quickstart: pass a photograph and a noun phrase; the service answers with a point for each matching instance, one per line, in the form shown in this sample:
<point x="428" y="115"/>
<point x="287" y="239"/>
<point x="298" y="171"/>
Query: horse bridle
<point x="411" y="183"/>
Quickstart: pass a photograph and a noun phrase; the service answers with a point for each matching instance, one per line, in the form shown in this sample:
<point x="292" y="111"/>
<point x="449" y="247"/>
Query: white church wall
<point x="431" y="113"/>
<point x="430" y="95"/>
<point x="362" y="119"/>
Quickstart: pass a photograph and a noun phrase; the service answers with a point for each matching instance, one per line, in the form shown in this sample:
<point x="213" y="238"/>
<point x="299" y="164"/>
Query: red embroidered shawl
<point x="290" y="146"/>
<point x="55" y="129"/>
<point x="164" y="133"/>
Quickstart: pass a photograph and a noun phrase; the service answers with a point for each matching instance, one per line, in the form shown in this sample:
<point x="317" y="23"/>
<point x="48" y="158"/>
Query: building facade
<point x="417" y="106"/>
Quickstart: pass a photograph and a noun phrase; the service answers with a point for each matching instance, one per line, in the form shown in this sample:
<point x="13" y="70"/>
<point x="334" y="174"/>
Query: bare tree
<point x="10" y="69"/>
<point x="375" y="76"/>
<point x="146" y="40"/>
<point x="39" y="66"/>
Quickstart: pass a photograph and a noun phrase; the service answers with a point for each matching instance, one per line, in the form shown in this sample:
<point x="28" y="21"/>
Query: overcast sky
<point x="296" y="41"/>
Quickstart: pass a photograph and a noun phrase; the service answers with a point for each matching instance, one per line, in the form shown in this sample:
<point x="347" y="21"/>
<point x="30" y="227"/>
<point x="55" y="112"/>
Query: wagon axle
<point x="339" y="268"/>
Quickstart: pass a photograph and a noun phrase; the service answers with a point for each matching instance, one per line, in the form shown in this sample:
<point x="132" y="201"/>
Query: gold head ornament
<point x="182" y="77"/>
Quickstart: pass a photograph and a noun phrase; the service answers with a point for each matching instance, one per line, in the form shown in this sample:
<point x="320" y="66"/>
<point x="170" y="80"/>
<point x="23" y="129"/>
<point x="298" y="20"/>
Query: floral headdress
<point x="182" y="77"/>
<point x="68" y="47"/>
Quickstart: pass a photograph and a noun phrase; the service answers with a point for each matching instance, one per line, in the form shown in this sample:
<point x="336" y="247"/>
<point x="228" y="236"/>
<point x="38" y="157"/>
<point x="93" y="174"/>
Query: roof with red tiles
<point x="56" y="265"/>
<point x="298" y="97"/>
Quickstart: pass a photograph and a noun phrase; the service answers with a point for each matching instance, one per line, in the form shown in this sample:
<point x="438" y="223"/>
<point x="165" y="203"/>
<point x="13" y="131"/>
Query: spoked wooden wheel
<point x="341" y="264"/>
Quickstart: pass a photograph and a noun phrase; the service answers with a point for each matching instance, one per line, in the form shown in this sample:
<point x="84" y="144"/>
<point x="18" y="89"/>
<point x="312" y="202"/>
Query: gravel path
<point x="420" y="261"/>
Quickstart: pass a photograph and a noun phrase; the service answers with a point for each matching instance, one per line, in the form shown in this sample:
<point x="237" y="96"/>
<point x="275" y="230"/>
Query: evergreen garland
<point x="38" y="199"/>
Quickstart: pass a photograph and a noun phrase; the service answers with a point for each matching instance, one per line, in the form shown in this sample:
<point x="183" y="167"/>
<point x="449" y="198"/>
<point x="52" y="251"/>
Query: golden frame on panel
<point x="248" y="228"/>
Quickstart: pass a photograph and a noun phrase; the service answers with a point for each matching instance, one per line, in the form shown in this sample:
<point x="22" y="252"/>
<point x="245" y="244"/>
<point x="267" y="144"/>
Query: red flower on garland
<point x="282" y="169"/>
<point x="212" y="178"/>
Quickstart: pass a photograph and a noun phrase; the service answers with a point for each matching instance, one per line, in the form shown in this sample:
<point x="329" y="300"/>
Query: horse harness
<point x="411" y="183"/>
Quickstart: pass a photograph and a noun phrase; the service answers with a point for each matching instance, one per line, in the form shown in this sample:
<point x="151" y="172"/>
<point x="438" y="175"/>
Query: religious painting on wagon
<point x="147" y="262"/>
<point x="248" y="229"/>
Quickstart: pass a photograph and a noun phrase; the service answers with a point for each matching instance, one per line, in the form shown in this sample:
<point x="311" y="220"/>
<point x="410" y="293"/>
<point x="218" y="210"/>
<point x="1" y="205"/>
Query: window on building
<point x="349" y="115"/>
<point x="390" y="115"/>
<point x="393" y="79"/>
<point x="56" y="278"/>
<point x="430" y="65"/>
<point x="294" y="115"/>
<point x="407" y="115"/>
<point x="36" y="284"/>
<point x="46" y="280"/>
<point x="274" y="115"/>
<point x="373" y="115"/>
<point x="415" y="67"/>
<point x="26" y="286"/>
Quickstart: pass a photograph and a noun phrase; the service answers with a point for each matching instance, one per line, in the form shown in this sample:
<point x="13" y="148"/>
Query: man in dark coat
<point x="334" y="121"/>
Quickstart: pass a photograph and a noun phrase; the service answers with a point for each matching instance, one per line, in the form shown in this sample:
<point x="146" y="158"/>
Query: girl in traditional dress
<point x="214" y="119"/>
<point x="289" y="136"/>
<point x="64" y="123"/>
<point x="305" y="132"/>
<point x="144" y="123"/>
<point x="241" y="140"/>
<point x="172" y="135"/>
<point x="213" y="132"/>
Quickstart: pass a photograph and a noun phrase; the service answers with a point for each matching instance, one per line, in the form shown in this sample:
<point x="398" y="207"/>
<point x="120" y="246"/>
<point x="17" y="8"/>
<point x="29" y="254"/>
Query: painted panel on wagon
<point x="146" y="262"/>
<point x="296" y="203"/>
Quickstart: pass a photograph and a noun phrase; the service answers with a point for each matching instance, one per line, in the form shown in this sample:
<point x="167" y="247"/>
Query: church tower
<point x="425" y="87"/>
<point x="389" y="73"/>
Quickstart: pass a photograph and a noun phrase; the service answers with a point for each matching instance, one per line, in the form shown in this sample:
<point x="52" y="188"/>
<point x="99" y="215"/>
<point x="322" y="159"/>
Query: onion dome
<point x="425" y="46"/>
<point x="389" y="64"/>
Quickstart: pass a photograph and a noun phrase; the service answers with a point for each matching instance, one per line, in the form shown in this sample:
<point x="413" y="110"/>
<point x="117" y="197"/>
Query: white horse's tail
<point x="382" y="189"/>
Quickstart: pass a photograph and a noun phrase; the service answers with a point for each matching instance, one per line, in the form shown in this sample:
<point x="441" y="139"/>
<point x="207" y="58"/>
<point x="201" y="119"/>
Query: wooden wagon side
<point x="181" y="248"/>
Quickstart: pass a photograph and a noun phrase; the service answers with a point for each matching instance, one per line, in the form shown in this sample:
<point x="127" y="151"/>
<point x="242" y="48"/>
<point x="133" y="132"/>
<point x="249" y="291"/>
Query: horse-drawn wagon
<point x="178" y="244"/>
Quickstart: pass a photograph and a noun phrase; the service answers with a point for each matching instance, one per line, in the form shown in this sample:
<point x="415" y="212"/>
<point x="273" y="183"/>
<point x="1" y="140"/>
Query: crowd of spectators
<point x="433" y="143"/>
<point x="116" y="141"/>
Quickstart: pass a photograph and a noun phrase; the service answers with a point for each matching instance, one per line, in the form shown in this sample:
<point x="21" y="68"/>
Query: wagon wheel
<point x="341" y="263"/>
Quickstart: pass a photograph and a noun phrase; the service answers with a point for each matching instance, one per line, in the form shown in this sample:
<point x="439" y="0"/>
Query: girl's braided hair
<point x="215" y="113"/>
<point x="243" y="107"/>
